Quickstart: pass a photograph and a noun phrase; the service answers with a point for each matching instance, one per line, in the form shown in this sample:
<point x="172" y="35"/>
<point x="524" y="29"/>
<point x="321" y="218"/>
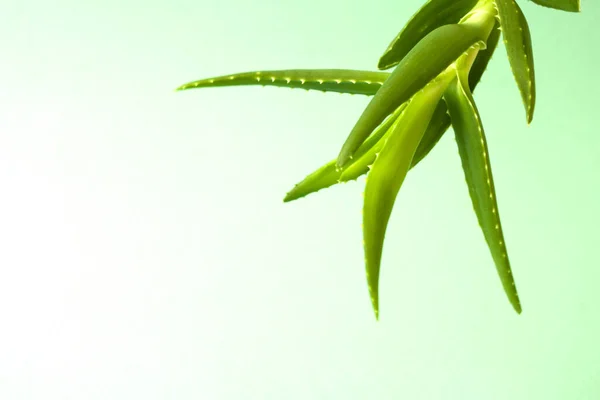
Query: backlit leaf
<point x="474" y="154"/>
<point x="432" y="55"/>
<point x="329" y="175"/>
<point x="326" y="80"/>
<point x="387" y="175"/>
<point x="520" y="53"/>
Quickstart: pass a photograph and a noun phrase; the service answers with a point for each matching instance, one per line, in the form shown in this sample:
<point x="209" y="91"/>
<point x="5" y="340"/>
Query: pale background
<point x="145" y="252"/>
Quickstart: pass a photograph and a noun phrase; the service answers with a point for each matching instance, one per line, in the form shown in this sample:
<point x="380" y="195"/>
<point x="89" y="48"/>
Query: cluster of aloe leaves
<point x="439" y="57"/>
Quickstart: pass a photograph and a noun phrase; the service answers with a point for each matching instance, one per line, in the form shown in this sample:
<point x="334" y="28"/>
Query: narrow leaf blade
<point x="324" y="177"/>
<point x="386" y="177"/>
<point x="563" y="5"/>
<point x="517" y="39"/>
<point x="326" y="80"/>
<point x="474" y="154"/>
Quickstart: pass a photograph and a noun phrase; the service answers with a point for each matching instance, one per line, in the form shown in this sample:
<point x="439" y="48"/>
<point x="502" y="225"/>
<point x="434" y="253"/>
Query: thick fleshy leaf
<point x="432" y="15"/>
<point x="517" y="39"/>
<point x="387" y="175"/>
<point x="326" y="80"/>
<point x="473" y="151"/>
<point x="330" y="174"/>
<point x="441" y="120"/>
<point x="432" y="55"/>
<point x="564" y="5"/>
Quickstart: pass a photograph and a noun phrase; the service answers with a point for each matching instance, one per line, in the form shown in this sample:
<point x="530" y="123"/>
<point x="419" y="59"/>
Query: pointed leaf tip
<point x="329" y="174"/>
<point x="563" y="5"/>
<point x="325" y="80"/>
<point x="387" y="175"/>
<point x="472" y="146"/>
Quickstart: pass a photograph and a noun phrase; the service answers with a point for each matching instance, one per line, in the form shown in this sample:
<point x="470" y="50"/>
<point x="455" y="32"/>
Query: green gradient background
<point x="145" y="252"/>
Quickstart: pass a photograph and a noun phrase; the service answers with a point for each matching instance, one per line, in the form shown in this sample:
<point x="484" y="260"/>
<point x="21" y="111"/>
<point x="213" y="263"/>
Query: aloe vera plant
<point x="439" y="58"/>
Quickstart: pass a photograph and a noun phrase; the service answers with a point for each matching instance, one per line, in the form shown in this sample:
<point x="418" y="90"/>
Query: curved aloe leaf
<point x="326" y="80"/>
<point x="517" y="39"/>
<point x="564" y="5"/>
<point x="441" y="120"/>
<point x="484" y="56"/>
<point x="431" y="16"/>
<point x="330" y="174"/>
<point x="425" y="61"/>
<point x="473" y="151"/>
<point x="387" y="175"/>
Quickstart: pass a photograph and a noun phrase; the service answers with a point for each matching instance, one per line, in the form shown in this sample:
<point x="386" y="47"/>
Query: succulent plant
<point x="439" y="58"/>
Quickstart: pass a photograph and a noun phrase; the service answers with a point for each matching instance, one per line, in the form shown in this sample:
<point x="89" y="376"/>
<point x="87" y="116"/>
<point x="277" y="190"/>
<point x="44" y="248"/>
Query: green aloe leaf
<point x="564" y="5"/>
<point x="361" y="163"/>
<point x="326" y="80"/>
<point x="484" y="56"/>
<point x="324" y="177"/>
<point x="517" y="39"/>
<point x="432" y="55"/>
<point x="441" y="120"/>
<point x="474" y="154"/>
<point x="329" y="175"/>
<point x="387" y="175"/>
<point x="432" y="15"/>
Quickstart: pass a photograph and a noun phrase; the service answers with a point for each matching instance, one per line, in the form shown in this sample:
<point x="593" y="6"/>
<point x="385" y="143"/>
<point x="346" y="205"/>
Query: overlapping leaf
<point x="432" y="55"/>
<point x="345" y="81"/>
<point x="387" y="175"/>
<point x="440" y="120"/>
<point x="474" y="154"/>
<point x="328" y="175"/>
<point x="432" y="15"/>
<point x="564" y="5"/>
<point x="484" y="56"/>
<point x="517" y="39"/>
